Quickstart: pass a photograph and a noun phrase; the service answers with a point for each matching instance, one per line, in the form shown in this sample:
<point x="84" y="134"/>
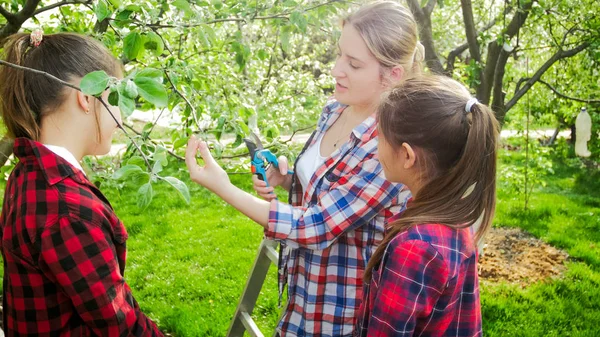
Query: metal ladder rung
<point x="272" y="255"/>
<point x="249" y="324"/>
<point x="242" y="321"/>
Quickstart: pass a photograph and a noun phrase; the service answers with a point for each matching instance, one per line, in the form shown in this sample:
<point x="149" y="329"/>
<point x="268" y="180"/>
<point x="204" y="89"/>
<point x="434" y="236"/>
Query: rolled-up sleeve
<point x="352" y="202"/>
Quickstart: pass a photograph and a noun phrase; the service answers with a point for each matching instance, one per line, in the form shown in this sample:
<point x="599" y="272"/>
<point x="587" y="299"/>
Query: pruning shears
<point x="261" y="159"/>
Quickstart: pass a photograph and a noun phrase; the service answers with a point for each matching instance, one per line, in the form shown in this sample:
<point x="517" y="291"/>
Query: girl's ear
<point x="84" y="101"/>
<point x="409" y="155"/>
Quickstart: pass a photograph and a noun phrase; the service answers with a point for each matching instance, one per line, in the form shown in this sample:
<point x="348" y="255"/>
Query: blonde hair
<point x="390" y="32"/>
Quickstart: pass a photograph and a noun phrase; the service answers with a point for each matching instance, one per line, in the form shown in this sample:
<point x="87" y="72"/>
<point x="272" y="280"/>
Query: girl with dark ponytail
<point x="62" y="244"/>
<point x="441" y="143"/>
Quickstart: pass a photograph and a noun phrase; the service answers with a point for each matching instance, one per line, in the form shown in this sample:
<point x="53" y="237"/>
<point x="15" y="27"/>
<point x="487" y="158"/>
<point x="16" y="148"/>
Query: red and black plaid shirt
<point x="64" y="254"/>
<point x="426" y="285"/>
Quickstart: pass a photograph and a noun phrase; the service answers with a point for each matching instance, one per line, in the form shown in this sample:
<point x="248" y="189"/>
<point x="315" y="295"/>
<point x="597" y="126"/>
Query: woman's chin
<point x="341" y="97"/>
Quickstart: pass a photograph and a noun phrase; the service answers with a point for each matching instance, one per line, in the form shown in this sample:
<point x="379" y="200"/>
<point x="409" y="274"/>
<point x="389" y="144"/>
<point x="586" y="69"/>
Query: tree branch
<point x="184" y="98"/>
<point x="499" y="94"/>
<point x="130" y="127"/>
<point x="28" y="10"/>
<point x="62" y="3"/>
<point x="428" y="9"/>
<point x="568" y="97"/>
<point x="561" y="54"/>
<point x="54" y="78"/>
<point x="16" y="20"/>
<point x="423" y="18"/>
<point x="270" y="146"/>
<point x="10" y="17"/>
<point x="460" y="49"/>
<point x="485" y="88"/>
<point x="470" y="30"/>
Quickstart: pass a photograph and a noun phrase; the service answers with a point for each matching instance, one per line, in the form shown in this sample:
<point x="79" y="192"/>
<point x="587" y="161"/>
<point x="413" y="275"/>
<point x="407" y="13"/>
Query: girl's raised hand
<point x="211" y="175"/>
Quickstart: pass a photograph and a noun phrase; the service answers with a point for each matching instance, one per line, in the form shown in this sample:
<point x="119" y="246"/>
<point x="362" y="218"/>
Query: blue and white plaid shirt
<point x="329" y="231"/>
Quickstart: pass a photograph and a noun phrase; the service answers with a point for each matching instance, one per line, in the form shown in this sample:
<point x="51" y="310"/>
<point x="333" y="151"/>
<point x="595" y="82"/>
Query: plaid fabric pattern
<point x="427" y="285"/>
<point x="329" y="232"/>
<point x="64" y="254"/>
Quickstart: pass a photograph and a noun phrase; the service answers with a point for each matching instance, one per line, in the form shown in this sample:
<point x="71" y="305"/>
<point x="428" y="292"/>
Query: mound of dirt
<point x="515" y="256"/>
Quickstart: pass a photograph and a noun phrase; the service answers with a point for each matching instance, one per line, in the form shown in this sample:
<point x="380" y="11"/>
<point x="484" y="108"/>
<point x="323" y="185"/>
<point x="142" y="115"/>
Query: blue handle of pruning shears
<point x="260" y="168"/>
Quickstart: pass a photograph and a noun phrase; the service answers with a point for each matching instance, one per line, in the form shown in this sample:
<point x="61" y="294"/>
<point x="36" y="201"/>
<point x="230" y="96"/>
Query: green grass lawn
<point x="188" y="264"/>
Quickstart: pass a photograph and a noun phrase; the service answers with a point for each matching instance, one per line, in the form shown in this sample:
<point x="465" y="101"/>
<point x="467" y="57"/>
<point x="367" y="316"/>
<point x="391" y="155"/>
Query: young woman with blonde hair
<point x="339" y="199"/>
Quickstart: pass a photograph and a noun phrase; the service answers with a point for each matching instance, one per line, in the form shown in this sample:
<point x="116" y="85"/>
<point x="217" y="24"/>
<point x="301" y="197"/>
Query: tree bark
<point x="561" y="54"/>
<point x="423" y="18"/>
<point x="15" y="21"/>
<point x="470" y="30"/>
<point x="489" y="78"/>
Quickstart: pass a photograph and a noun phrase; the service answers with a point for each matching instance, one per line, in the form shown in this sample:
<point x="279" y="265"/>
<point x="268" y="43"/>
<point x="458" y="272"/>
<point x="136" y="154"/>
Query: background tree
<point x="499" y="35"/>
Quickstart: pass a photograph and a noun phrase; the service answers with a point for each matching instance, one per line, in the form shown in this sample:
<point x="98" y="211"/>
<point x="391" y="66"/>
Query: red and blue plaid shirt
<point x="64" y="254"/>
<point x="427" y="285"/>
<point x="330" y="231"/>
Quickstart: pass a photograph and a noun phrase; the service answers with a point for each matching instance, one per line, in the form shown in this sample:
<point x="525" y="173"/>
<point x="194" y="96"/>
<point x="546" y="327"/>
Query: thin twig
<point x="184" y="98"/>
<point x="153" y="142"/>
<point x="272" y="145"/>
<point x="59" y="4"/>
<point x="54" y="78"/>
<point x="156" y="121"/>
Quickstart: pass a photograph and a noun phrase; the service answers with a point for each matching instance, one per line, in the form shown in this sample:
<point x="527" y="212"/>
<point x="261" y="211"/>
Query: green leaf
<point x="299" y="20"/>
<point x="116" y="3"/>
<point x="285" y="39"/>
<point x="133" y="45"/>
<point x="123" y="15"/>
<point x="237" y="142"/>
<point x="130" y="89"/>
<point x="154" y="43"/>
<point x="184" y="6"/>
<point x="137" y="160"/>
<point x="102" y="11"/>
<point x="210" y="32"/>
<point x="263" y="54"/>
<point x="125" y="171"/>
<point x="179" y="143"/>
<point x="179" y="186"/>
<point x="157" y="168"/>
<point x="152" y="91"/>
<point x="155" y="74"/>
<point x="134" y="8"/>
<point x="145" y="195"/>
<point x="113" y="98"/>
<point x="94" y="83"/>
<point x="126" y="104"/>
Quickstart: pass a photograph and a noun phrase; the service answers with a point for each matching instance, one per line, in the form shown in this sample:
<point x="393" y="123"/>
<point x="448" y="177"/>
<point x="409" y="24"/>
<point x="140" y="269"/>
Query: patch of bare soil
<point x="518" y="257"/>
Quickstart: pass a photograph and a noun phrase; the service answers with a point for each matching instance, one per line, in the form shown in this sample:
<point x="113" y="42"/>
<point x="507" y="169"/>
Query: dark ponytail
<point x="26" y="97"/>
<point x="456" y="148"/>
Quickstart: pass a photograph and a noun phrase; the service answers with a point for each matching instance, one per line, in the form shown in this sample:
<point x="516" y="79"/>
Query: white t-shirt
<point x="66" y="155"/>
<point x="308" y="163"/>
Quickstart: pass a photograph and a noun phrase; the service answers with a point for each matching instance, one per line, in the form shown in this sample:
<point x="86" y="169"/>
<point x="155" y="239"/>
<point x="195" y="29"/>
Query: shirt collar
<point x="363" y="131"/>
<point x="54" y="166"/>
<point x="65" y="154"/>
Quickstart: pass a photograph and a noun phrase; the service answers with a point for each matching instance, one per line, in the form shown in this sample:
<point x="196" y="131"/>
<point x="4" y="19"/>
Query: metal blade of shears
<point x="259" y="145"/>
<point x="252" y="148"/>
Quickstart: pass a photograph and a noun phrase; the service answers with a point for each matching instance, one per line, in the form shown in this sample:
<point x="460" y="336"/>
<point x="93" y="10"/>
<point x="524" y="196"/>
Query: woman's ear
<point x="84" y="101"/>
<point x="396" y="75"/>
<point x="409" y="156"/>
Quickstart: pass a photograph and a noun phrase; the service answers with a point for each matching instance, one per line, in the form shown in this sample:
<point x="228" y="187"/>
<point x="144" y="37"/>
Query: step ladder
<point x="242" y="320"/>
